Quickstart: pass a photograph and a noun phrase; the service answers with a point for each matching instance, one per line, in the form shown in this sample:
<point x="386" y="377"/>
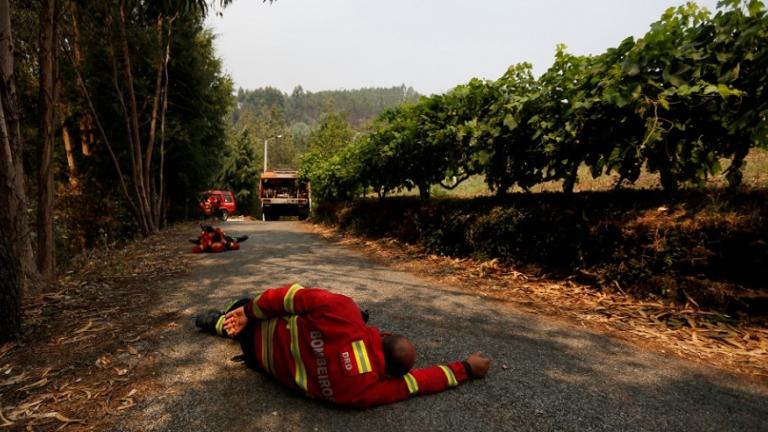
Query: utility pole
<point x="265" y="154"/>
<point x="266" y="150"/>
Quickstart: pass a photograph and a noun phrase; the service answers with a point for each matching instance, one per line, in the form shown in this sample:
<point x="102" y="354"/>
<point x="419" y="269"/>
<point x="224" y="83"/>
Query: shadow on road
<point x="545" y="375"/>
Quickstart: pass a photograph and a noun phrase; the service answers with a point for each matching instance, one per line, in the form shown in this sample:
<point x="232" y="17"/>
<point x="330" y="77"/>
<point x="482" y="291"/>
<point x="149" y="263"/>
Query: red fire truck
<point x="283" y="194"/>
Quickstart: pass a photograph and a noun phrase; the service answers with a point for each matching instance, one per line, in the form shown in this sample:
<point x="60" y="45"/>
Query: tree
<point x="331" y="162"/>
<point x="332" y="134"/>
<point x="16" y="259"/>
<point x="200" y="100"/>
<point x="508" y="156"/>
<point x="139" y="40"/>
<point x="240" y="171"/>
<point x="359" y="106"/>
<point x="690" y="92"/>
<point x="48" y="64"/>
<point x="121" y="56"/>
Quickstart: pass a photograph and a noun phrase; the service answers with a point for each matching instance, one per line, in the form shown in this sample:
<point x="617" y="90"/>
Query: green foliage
<point x="608" y="238"/>
<point x="240" y="171"/>
<point x="307" y="120"/>
<point x="199" y="98"/>
<point x="331" y="164"/>
<point x="332" y="134"/>
<point x="689" y="93"/>
<point x="301" y="106"/>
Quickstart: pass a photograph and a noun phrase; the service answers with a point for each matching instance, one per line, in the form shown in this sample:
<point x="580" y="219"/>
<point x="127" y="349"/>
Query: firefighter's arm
<point x="276" y="302"/>
<point x="288" y="300"/>
<point x="424" y="381"/>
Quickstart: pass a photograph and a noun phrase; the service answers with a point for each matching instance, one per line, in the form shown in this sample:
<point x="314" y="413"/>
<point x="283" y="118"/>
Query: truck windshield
<point x="283" y="188"/>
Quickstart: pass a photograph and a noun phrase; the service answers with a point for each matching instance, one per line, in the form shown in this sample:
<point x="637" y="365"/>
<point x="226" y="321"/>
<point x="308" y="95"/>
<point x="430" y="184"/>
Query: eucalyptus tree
<point x="48" y="99"/>
<point x="15" y="246"/>
<point x="136" y="39"/>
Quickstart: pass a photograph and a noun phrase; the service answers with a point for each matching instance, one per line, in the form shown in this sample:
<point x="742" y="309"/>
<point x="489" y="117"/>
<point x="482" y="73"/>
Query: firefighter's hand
<point x="235" y="321"/>
<point x="479" y="364"/>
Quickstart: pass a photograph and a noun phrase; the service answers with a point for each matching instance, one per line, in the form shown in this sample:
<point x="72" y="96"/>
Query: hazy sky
<point x="431" y="45"/>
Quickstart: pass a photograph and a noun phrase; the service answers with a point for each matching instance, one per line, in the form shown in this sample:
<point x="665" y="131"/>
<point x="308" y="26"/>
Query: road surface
<point x="547" y="375"/>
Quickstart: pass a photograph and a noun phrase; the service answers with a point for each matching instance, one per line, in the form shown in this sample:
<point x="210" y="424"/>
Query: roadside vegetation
<point x="685" y="102"/>
<point x="640" y="170"/>
<point x="707" y="248"/>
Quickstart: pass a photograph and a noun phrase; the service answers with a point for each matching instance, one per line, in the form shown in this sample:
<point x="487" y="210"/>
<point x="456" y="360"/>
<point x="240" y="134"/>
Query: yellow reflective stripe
<point x="288" y="299"/>
<point x="361" y="356"/>
<point x="410" y="381"/>
<point x="267" y="336"/>
<point x="265" y="345"/>
<point x="220" y="325"/>
<point x="300" y="376"/>
<point x="272" y="326"/>
<point x="257" y="312"/>
<point x="450" y="376"/>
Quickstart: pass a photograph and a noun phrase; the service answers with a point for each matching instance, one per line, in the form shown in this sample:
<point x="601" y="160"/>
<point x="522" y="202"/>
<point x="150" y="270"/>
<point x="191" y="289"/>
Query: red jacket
<point x="317" y="342"/>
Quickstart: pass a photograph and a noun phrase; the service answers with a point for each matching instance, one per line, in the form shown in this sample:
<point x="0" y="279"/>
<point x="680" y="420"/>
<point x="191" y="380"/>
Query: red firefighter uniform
<point x="213" y="239"/>
<point x="317" y="342"/>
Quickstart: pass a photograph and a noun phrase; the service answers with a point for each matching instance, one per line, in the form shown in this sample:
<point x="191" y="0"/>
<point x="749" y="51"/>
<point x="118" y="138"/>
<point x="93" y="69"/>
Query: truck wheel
<point x="224" y="215"/>
<point x="266" y="216"/>
<point x="303" y="216"/>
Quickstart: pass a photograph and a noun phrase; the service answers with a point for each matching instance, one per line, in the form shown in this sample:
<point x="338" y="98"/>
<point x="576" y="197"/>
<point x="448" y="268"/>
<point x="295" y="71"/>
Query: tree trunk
<point x="160" y="209"/>
<point x="13" y="199"/>
<point x="156" y="105"/>
<point x="86" y="134"/>
<point x="424" y="191"/>
<point x="64" y="112"/>
<point x="94" y="115"/>
<point x="47" y="60"/>
<point x="66" y="138"/>
<point x="571" y="178"/>
<point x="86" y="122"/>
<point x="10" y="266"/>
<point x="142" y="189"/>
<point x="10" y="284"/>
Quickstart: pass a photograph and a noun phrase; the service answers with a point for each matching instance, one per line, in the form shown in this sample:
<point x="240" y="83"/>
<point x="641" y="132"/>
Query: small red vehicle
<point x="216" y="203"/>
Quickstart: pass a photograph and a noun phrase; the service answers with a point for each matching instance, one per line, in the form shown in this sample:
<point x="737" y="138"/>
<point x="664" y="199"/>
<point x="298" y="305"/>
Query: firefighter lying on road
<point x="318" y="342"/>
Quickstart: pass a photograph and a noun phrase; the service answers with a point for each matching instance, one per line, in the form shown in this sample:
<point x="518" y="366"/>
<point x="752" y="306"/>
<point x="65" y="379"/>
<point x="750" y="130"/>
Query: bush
<point x="636" y="239"/>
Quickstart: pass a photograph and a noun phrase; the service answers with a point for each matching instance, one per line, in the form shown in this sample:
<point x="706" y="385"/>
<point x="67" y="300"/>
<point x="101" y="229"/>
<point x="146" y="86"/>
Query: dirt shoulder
<point x="87" y="351"/>
<point x="685" y="331"/>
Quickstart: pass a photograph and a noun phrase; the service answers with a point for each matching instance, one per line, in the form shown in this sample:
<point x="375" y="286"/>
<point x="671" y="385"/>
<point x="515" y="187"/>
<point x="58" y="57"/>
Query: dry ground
<point x="86" y="353"/>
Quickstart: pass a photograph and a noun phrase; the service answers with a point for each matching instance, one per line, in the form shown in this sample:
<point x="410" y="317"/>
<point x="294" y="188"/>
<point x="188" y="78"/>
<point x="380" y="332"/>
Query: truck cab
<point x="282" y="194"/>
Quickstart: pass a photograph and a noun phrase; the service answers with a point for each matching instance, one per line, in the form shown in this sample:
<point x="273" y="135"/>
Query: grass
<point x="755" y="177"/>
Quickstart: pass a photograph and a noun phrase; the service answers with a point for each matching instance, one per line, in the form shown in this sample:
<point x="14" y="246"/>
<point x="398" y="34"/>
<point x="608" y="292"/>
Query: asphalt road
<point x="546" y="374"/>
